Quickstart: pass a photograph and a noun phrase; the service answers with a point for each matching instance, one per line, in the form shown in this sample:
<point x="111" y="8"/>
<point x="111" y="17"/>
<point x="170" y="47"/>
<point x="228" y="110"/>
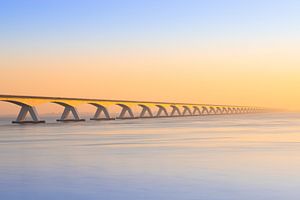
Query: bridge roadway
<point x="28" y="106"/>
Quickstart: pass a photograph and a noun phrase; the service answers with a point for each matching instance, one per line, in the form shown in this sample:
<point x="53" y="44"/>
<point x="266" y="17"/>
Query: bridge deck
<point x="28" y="107"/>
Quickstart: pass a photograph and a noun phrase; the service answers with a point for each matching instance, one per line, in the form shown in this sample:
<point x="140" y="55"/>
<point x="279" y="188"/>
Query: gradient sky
<point x="221" y="52"/>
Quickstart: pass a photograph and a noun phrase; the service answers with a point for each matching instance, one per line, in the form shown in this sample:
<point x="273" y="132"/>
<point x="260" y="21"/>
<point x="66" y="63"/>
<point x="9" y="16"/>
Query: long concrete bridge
<point x="28" y="106"/>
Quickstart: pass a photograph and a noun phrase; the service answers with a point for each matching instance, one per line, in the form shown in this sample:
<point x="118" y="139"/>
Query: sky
<point x="237" y="52"/>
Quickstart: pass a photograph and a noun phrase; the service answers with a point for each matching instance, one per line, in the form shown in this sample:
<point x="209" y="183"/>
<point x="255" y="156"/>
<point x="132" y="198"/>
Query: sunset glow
<point x="191" y="51"/>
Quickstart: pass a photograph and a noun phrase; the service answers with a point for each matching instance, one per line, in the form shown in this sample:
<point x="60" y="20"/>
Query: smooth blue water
<point x="214" y="157"/>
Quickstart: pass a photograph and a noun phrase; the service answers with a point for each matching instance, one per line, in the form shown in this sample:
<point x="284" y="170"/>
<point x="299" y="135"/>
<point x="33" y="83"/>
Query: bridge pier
<point x="145" y="110"/>
<point x="101" y="109"/>
<point x="186" y="110"/>
<point x="225" y="110"/>
<point x="212" y="111"/>
<point x="70" y="113"/>
<point x="175" y="110"/>
<point x="234" y="110"/>
<point x="219" y="111"/>
<point x="25" y="110"/>
<point x="125" y="109"/>
<point x="196" y="110"/>
<point x="68" y="109"/>
<point x="205" y="110"/>
<point x="242" y="110"/>
<point x="162" y="110"/>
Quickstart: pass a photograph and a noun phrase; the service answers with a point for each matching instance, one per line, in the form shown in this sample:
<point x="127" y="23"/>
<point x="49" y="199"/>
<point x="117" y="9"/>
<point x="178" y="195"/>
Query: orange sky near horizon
<point x="239" y="74"/>
<point x="215" y="52"/>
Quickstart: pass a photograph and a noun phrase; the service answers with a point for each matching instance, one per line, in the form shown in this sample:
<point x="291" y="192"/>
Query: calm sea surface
<point x="255" y="157"/>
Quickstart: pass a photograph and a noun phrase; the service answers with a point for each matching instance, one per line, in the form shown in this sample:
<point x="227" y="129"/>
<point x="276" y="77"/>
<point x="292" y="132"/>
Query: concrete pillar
<point x="225" y="110"/>
<point x="24" y="111"/>
<point x="196" y="110"/>
<point x="187" y="110"/>
<point x="144" y="112"/>
<point x="125" y="109"/>
<point x="68" y="111"/>
<point x="234" y="111"/>
<point x="175" y="110"/>
<point x="101" y="109"/>
<point x="244" y="110"/>
<point x="219" y="111"/>
<point x="161" y="110"/>
<point x="205" y="110"/>
<point x="212" y="111"/>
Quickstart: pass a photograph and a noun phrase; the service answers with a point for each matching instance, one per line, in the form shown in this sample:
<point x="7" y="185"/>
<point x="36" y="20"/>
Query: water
<point x="214" y="157"/>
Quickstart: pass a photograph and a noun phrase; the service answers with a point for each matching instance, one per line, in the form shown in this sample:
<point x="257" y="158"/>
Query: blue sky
<point x="124" y="20"/>
<point x="158" y="49"/>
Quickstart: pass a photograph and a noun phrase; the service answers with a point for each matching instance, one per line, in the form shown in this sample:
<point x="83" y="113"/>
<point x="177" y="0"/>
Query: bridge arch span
<point x="205" y="110"/>
<point x="100" y="109"/>
<point x="219" y="110"/>
<point x="187" y="111"/>
<point x="145" y="110"/>
<point x="225" y="110"/>
<point x="26" y="110"/>
<point x="126" y="110"/>
<point x="175" y="111"/>
<point x="70" y="113"/>
<point x="162" y="111"/>
<point x="212" y="110"/>
<point x="196" y="111"/>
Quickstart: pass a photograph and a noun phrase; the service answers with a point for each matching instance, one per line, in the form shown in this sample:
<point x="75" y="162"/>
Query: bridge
<point x="28" y="106"/>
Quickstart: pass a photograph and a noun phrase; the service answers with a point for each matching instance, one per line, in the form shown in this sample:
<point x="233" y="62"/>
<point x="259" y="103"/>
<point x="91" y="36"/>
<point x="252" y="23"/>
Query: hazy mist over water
<point x="247" y="157"/>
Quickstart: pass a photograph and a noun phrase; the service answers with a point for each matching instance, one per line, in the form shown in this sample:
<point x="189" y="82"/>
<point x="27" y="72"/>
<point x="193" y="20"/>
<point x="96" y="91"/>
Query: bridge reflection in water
<point x="28" y="107"/>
